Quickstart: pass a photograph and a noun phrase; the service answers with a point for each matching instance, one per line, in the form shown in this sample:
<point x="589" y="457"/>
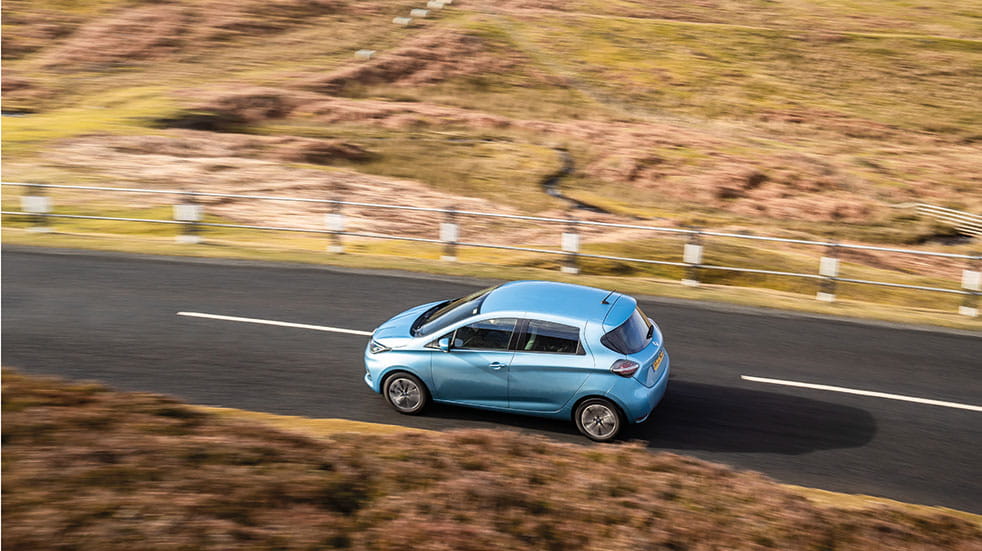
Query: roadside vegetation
<point x="782" y="292"/>
<point x="855" y="301"/>
<point x="85" y="467"/>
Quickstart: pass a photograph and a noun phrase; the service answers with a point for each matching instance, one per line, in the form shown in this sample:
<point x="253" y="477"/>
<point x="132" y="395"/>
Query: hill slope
<point x="88" y="468"/>
<point x="737" y="114"/>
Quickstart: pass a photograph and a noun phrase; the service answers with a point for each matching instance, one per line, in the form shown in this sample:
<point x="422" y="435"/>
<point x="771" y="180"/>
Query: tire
<point x="405" y="393"/>
<point x="598" y="419"/>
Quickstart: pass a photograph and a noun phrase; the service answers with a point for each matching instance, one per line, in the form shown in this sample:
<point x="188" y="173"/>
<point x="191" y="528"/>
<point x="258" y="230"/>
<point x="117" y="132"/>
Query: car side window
<point x="547" y="336"/>
<point x="493" y="334"/>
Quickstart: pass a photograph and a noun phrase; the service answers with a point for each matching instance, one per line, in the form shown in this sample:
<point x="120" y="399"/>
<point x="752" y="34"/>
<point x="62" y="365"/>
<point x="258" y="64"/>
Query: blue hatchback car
<point x="532" y="347"/>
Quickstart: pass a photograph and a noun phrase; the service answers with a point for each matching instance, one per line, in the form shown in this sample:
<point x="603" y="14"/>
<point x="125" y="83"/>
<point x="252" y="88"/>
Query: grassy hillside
<point x="801" y="119"/>
<point x="88" y="468"/>
<point x="754" y="113"/>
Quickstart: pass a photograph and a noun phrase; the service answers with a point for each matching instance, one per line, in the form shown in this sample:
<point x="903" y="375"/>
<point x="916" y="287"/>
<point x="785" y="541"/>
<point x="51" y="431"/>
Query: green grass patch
<point x="76" y="7"/>
<point x="722" y="72"/>
<point x="503" y="167"/>
<point x="125" y="111"/>
<point x="957" y="18"/>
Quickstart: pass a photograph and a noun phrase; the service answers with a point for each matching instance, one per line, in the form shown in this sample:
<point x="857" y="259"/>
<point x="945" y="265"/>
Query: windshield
<point x="631" y="336"/>
<point x="448" y="313"/>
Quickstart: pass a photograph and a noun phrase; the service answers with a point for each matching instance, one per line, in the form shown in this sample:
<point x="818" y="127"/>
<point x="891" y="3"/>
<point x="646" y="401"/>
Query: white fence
<point x="964" y="223"/>
<point x="189" y="214"/>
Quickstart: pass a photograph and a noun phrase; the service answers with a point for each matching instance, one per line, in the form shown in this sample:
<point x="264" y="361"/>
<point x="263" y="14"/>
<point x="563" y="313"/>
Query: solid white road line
<point x="955" y="405"/>
<point x="278" y="323"/>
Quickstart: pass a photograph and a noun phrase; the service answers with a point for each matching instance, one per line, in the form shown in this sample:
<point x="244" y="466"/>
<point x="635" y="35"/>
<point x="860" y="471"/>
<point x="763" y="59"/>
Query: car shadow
<point x="698" y="416"/>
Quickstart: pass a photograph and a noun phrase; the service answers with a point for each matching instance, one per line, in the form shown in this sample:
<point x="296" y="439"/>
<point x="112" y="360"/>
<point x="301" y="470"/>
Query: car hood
<point x="395" y="331"/>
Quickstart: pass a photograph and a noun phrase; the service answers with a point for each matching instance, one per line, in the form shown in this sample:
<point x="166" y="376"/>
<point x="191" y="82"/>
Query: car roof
<point x="557" y="299"/>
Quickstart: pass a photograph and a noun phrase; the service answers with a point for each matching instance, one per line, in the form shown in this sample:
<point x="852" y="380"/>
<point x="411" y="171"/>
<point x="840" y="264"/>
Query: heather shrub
<point x="88" y="468"/>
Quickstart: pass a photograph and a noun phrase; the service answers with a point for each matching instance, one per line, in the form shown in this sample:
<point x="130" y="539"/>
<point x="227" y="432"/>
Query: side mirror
<point x="444" y="344"/>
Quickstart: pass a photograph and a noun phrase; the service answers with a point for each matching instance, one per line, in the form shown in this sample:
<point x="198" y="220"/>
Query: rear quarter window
<point x="631" y="336"/>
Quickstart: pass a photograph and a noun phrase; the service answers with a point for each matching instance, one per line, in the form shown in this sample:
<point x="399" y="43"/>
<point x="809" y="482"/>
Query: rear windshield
<point x="448" y="313"/>
<point x="631" y="336"/>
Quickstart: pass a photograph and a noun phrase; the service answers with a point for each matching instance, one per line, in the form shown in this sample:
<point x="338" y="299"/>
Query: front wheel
<point x="598" y="419"/>
<point x="405" y="393"/>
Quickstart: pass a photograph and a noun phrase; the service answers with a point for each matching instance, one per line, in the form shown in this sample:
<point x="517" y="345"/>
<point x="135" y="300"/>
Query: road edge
<point x="706" y="305"/>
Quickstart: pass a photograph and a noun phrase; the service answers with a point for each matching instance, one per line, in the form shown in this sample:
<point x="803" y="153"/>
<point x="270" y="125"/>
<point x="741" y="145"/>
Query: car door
<point x="474" y="370"/>
<point x="548" y="367"/>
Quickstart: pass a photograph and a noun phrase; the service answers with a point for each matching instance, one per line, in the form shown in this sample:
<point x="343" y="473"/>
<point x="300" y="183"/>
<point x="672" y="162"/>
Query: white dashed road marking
<point x="764" y="380"/>
<point x="277" y="323"/>
<point x="843" y="390"/>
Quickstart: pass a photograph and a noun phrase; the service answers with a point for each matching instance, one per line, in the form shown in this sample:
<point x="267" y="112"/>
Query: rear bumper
<point x="637" y="400"/>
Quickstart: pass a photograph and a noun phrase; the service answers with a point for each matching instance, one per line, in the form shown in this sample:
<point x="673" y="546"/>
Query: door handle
<point x="496" y="365"/>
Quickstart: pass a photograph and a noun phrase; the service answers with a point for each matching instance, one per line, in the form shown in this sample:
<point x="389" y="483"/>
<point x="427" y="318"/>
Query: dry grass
<point x="956" y="18"/>
<point x="800" y="113"/>
<point x="88" y="468"/>
<point x="306" y="425"/>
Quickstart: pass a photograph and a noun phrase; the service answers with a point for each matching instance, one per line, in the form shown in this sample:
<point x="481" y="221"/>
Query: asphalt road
<point x="113" y="318"/>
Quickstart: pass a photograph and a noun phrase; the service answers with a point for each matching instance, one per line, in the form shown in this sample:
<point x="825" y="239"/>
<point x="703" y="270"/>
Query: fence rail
<point x="188" y="214"/>
<point x="965" y="223"/>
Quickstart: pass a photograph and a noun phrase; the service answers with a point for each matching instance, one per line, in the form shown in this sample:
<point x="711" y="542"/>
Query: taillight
<point x="625" y="368"/>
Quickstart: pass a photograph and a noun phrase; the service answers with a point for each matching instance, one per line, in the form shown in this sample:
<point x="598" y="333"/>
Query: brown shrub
<point x="251" y="164"/>
<point x="831" y="121"/>
<point x="399" y="115"/>
<point x="148" y="32"/>
<point x="27" y="29"/>
<point x="136" y="34"/>
<point x="312" y="150"/>
<point x="427" y="59"/>
<point x="163" y="476"/>
<point x="182" y="144"/>
<point x="735" y="186"/>
<point x="223" y="20"/>
<point x="23" y="94"/>
<point x="245" y="105"/>
<point x="784" y="186"/>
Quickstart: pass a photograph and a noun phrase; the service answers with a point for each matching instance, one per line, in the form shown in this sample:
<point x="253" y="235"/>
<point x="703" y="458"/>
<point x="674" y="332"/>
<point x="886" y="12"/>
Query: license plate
<point x="658" y="360"/>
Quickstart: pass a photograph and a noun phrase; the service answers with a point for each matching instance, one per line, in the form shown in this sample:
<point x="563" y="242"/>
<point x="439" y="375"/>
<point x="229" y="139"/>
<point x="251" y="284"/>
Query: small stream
<point x="550" y="184"/>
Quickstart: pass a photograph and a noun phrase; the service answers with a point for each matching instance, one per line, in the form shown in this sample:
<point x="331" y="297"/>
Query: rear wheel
<point x="598" y="419"/>
<point x="405" y="393"/>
